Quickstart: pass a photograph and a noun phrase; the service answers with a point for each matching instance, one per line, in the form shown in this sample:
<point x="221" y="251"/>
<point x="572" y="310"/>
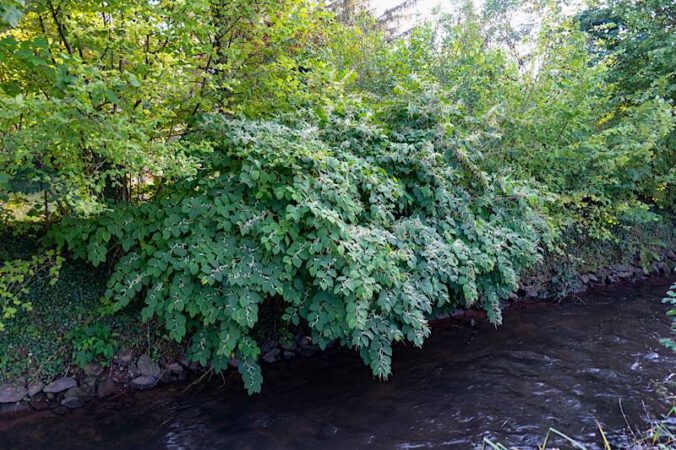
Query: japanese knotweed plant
<point x="363" y="233"/>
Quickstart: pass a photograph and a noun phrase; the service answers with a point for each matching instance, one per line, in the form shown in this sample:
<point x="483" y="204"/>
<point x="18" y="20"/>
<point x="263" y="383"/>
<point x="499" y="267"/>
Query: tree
<point x="94" y="95"/>
<point x="639" y="37"/>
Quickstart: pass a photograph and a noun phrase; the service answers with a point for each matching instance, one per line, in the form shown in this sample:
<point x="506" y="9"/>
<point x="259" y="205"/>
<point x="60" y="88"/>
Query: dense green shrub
<point x="363" y="233"/>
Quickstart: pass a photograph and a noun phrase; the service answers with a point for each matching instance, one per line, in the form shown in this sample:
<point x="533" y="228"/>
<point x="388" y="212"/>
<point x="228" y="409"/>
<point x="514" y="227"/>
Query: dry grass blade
<point x="492" y="445"/>
<point x="606" y="444"/>
<point x="572" y="441"/>
<point x="544" y="443"/>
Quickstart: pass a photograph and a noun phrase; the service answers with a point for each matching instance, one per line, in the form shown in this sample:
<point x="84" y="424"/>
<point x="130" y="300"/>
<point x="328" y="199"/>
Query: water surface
<point x="567" y="365"/>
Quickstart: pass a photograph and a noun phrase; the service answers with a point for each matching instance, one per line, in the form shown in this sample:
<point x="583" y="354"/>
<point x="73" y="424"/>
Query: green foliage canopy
<point x="93" y="96"/>
<point x="220" y="155"/>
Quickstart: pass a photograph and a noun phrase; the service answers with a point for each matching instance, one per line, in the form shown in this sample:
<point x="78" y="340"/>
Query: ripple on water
<point x="556" y="365"/>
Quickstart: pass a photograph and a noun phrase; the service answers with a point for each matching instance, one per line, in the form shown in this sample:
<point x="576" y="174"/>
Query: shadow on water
<point x="550" y="365"/>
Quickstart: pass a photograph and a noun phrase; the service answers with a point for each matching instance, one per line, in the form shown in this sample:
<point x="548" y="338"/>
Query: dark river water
<point x="567" y="365"/>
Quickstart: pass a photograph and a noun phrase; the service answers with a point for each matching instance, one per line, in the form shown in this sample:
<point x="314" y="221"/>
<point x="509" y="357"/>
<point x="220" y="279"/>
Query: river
<point x="564" y="365"/>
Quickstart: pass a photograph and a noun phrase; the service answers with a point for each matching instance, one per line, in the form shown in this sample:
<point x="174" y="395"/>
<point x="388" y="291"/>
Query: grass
<point x="660" y="436"/>
<point x="487" y="443"/>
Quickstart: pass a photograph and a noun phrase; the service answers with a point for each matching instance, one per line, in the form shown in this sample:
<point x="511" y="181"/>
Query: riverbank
<point x="40" y="370"/>
<point x="565" y="365"/>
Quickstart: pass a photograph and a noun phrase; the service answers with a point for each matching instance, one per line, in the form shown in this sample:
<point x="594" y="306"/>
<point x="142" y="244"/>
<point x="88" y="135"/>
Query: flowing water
<point x="567" y="365"/>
